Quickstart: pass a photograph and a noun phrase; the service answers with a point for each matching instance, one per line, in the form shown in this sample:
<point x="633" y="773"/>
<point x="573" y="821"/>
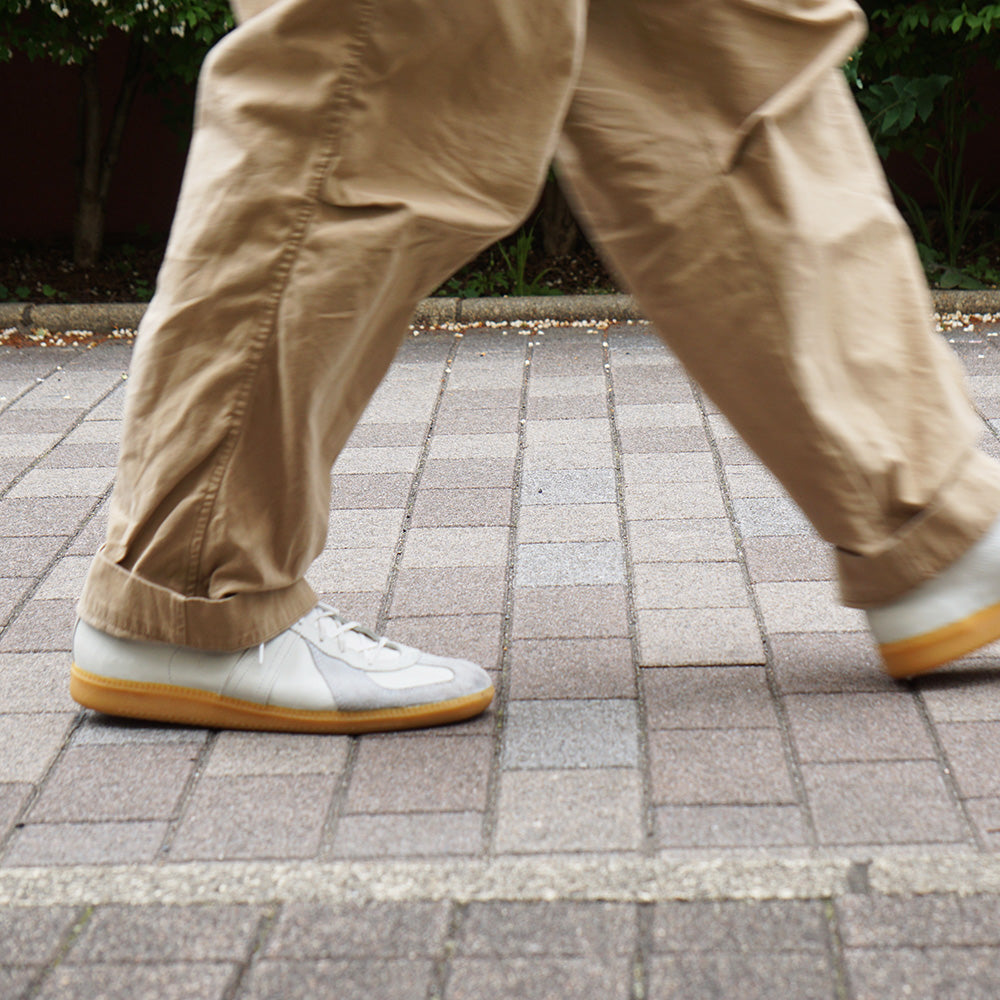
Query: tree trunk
<point x="99" y="154"/>
<point x="559" y="230"/>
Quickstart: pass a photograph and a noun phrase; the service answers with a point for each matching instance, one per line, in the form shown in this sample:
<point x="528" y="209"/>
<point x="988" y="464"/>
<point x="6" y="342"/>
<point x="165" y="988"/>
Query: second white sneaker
<point x="324" y="674"/>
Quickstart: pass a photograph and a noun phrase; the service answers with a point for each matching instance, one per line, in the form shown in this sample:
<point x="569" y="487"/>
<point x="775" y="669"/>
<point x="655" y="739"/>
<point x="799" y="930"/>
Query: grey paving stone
<point x="440" y="547"/>
<point x="919" y="921"/>
<point x="354" y="570"/>
<point x="352" y="529"/>
<point x="372" y="435"/>
<point x="583" y="486"/>
<point x="358" y="930"/>
<point x="173" y="981"/>
<point x="29" y="743"/>
<point x="40" y="626"/>
<point x="691" y="636"/>
<point x="360" y="606"/>
<point x="674" y="500"/>
<point x="788" y="557"/>
<point x="484" y="421"/>
<point x="587" y="455"/>
<point x="719" y="767"/>
<point x="14" y="421"/>
<point x="107" y="730"/>
<point x="941" y="973"/>
<point x="33" y="935"/>
<point x="13" y="796"/>
<point x="235" y="753"/>
<point x="569" y="612"/>
<point x="658" y="415"/>
<point x="481" y="473"/>
<point x="529" y="929"/>
<point x="420" y="773"/>
<point x="806" y="607"/>
<point x="467" y="636"/>
<point x="490" y="446"/>
<point x="972" y="698"/>
<point x="376" y="461"/>
<point x="15" y="983"/>
<point x="567" y="431"/>
<point x="662" y="439"/>
<point x="43" y="516"/>
<point x="223" y="819"/>
<point x="569" y="734"/>
<point x="132" y="934"/>
<point x="974" y="755"/>
<point x="737" y="926"/>
<point x="95" y="432"/>
<point x="81" y="456"/>
<point x="818" y="662"/>
<point x="751" y="479"/>
<point x="12" y="592"/>
<point x="25" y="444"/>
<point x="647" y="387"/>
<point x="461" y="507"/>
<point x="538" y="978"/>
<point x="84" y="844"/>
<point x="28" y="556"/>
<point x="707" y="698"/>
<point x="138" y="782"/>
<point x="985" y="816"/>
<point x="49" y="483"/>
<point x="566" y="385"/>
<point x="689" y="585"/>
<point x="682" y="540"/>
<point x="659" y="470"/>
<point x="465" y="400"/>
<point x="733" y="827"/>
<point x="449" y="591"/>
<point x="91" y="535"/>
<point x="400" y="404"/>
<point x="571" y="668"/>
<point x="892" y="802"/>
<point x="863" y="726"/>
<point x="551" y="564"/>
<point x="385" y="490"/>
<point x="433" y="834"/>
<point x="572" y="522"/>
<point x="567" y="407"/>
<point x="65" y="579"/>
<point x="358" y="979"/>
<point x="751" y="977"/>
<point x="773" y="516"/>
<point x="545" y="811"/>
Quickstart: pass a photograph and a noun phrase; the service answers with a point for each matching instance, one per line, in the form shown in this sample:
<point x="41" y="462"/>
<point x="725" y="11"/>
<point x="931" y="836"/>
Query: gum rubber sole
<point x="192" y="707"/>
<point x="923" y="653"/>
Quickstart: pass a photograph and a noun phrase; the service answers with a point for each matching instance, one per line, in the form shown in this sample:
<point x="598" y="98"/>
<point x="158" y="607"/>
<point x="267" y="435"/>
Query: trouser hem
<point x="156" y="614"/>
<point x="961" y="513"/>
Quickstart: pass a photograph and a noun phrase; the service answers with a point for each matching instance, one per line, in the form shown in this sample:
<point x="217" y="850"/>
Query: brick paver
<point x="676" y="685"/>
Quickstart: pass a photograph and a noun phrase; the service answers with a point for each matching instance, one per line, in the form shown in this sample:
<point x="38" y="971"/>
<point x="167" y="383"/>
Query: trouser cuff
<point x="957" y="518"/>
<point x="125" y="605"/>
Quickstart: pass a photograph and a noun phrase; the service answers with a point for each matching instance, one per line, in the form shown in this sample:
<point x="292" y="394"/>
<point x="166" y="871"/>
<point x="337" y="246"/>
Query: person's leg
<point x="717" y="155"/>
<point x="347" y="157"/>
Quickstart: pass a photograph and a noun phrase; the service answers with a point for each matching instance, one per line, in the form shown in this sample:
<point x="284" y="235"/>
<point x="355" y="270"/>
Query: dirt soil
<point x="44" y="273"/>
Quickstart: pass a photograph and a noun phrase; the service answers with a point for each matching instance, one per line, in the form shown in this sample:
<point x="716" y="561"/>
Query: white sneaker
<point x="323" y="674"/>
<point x="950" y="615"/>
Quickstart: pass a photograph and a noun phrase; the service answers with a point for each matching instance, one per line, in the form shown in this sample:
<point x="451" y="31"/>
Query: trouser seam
<point x="347" y="81"/>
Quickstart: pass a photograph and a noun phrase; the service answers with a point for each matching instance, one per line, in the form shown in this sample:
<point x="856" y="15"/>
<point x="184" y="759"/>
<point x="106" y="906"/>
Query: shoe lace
<point x="333" y="625"/>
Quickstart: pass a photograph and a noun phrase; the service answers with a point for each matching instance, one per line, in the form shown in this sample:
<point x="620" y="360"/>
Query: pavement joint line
<point x="552" y="878"/>
<point x="631" y="615"/>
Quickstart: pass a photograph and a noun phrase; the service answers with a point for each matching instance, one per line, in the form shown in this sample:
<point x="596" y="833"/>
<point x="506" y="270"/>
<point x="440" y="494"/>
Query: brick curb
<point x="106" y="318"/>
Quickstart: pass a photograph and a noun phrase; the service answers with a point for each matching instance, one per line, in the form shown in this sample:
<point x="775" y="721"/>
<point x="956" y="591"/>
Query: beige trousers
<point x="350" y="154"/>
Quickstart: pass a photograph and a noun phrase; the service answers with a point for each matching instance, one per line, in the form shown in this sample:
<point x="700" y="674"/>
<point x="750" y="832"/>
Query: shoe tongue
<point x="358" y="640"/>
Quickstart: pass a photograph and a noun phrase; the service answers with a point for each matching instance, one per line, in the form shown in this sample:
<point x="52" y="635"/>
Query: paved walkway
<point x="695" y="781"/>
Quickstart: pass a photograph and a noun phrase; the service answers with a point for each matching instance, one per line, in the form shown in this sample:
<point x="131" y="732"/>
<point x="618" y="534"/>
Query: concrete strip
<point x="105" y="318"/>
